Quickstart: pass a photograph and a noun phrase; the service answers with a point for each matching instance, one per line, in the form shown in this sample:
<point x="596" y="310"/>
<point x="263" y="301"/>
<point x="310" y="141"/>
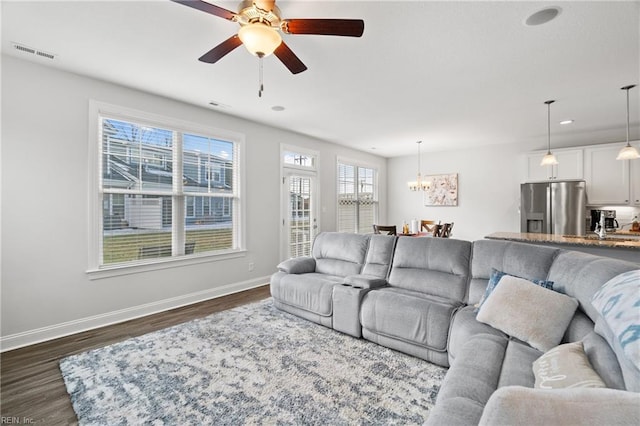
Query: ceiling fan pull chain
<point x="260" y="72"/>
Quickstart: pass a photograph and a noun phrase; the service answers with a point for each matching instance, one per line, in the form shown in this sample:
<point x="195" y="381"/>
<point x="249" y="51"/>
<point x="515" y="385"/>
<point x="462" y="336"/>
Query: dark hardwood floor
<point x="32" y="389"/>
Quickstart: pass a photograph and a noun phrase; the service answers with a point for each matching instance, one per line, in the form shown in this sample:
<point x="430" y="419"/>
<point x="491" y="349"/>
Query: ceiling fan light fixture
<point x="260" y="39"/>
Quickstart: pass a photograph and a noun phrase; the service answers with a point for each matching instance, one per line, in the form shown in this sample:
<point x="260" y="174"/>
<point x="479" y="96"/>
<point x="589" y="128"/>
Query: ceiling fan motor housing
<point x="265" y="12"/>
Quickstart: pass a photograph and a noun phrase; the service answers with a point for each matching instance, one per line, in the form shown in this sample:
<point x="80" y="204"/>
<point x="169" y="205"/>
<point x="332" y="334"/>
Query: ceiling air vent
<point x="32" y="51"/>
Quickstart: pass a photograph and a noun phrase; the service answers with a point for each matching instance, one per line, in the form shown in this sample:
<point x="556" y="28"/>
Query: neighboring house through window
<point x="357" y="197"/>
<point x="166" y="188"/>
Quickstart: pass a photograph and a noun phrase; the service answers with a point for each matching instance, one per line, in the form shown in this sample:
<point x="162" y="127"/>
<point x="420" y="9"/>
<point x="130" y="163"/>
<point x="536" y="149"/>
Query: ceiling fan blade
<point x="289" y="59"/>
<point x="215" y="54"/>
<point x="209" y="8"/>
<point x="336" y="27"/>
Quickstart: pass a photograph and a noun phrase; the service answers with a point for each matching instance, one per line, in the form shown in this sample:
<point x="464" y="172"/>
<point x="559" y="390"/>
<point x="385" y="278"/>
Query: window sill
<point x="159" y="264"/>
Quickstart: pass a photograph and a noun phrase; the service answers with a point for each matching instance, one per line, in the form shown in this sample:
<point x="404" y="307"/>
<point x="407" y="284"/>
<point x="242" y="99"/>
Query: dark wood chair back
<point x="389" y="229"/>
<point x="446" y="230"/>
<point x="427" y="225"/>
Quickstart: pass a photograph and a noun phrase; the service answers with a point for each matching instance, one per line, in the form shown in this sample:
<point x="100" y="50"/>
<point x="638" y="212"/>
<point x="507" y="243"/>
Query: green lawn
<point x="126" y="248"/>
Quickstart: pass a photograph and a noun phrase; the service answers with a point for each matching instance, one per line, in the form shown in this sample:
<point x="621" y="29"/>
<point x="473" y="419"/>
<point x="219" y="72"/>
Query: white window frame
<point x="356" y="164"/>
<point x="97" y="271"/>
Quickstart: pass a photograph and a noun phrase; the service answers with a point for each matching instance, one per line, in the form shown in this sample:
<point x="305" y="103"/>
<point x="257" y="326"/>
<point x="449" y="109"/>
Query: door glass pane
<point x="300" y="220"/>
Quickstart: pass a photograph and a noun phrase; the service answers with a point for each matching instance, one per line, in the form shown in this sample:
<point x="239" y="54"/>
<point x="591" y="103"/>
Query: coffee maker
<point x="610" y="222"/>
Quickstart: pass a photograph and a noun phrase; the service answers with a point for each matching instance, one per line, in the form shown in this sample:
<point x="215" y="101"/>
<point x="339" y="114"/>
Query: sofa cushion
<point x="340" y="254"/>
<point x="517" y="405"/>
<point x="521" y="260"/>
<point x="528" y="312"/>
<point x="566" y="366"/>
<point x="580" y="275"/>
<point x="482" y="365"/>
<point x="379" y="255"/>
<point x="603" y="360"/>
<point x="436" y="266"/>
<point x="409" y="316"/>
<point x="456" y="411"/>
<point x="516" y="364"/>
<point x="311" y="292"/>
<point x="463" y="327"/>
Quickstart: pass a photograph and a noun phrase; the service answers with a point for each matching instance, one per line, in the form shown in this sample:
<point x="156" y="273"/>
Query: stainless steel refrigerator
<point x="555" y="207"/>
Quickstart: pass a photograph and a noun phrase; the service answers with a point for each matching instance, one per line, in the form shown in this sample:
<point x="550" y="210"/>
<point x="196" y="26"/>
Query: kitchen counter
<point x="619" y="242"/>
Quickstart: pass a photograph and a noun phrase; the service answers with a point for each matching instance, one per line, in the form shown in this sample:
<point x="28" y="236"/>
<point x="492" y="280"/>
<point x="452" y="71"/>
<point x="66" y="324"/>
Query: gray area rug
<point x="250" y="365"/>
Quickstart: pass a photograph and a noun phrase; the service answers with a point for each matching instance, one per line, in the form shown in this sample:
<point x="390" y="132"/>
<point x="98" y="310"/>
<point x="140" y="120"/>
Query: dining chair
<point x="427" y="225"/>
<point x="446" y="230"/>
<point x="437" y="230"/>
<point x="389" y="229"/>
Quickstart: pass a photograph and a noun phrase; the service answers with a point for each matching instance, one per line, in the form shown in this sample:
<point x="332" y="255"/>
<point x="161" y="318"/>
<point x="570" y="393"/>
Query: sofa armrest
<point x="298" y="265"/>
<point x="365" y="281"/>
<point x="517" y="405"/>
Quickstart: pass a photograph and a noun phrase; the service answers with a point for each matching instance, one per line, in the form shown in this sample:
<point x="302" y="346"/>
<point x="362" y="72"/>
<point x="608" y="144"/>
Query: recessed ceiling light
<point x="277" y="108"/>
<point x="566" y="122"/>
<point x="543" y="16"/>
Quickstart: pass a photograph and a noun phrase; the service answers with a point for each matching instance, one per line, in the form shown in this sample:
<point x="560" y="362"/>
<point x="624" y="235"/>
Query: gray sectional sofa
<point x="426" y="297"/>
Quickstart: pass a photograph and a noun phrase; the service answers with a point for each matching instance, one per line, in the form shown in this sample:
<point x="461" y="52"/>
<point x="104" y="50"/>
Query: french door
<point x="299" y="224"/>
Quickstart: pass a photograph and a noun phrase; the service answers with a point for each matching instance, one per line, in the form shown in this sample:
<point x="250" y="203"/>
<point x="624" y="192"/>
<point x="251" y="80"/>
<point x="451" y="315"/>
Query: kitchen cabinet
<point x="570" y="165"/>
<point x="634" y="173"/>
<point x="609" y="180"/>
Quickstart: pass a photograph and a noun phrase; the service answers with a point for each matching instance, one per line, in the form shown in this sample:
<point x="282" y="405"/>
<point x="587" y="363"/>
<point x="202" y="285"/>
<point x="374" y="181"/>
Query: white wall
<point x="488" y="190"/>
<point x="45" y="200"/>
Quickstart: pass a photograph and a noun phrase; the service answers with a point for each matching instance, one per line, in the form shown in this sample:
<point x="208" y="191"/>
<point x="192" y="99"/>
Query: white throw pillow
<point x="566" y="366"/>
<point x="528" y="312"/>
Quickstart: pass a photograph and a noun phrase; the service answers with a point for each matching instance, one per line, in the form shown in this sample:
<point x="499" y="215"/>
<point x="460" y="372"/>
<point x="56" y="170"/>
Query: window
<point x="357" y="198"/>
<point x="167" y="189"/>
<point x="291" y="158"/>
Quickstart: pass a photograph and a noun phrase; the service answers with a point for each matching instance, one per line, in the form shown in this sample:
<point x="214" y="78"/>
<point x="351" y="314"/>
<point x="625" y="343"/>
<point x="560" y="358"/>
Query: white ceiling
<point x="453" y="74"/>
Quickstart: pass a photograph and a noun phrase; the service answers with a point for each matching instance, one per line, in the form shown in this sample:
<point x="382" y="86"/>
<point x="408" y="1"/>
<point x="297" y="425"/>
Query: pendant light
<point x="628" y="152"/>
<point x="549" y="159"/>
<point x="418" y="185"/>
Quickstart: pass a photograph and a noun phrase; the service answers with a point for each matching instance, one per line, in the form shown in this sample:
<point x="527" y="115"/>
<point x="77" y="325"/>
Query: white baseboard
<point x="26" y="338"/>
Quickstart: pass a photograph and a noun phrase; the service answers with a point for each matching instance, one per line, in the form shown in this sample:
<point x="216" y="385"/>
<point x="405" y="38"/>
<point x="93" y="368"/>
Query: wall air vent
<point x="32" y="51"/>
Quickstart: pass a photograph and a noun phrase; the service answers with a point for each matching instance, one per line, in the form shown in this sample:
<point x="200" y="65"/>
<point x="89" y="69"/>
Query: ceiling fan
<point x="260" y="21"/>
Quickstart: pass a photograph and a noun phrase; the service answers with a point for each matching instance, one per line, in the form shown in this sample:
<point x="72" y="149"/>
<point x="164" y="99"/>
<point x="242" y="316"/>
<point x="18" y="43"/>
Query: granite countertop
<point x="613" y="242"/>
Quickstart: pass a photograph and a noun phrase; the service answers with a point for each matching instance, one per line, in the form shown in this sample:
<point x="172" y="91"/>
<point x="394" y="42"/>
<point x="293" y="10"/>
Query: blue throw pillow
<point x="494" y="279"/>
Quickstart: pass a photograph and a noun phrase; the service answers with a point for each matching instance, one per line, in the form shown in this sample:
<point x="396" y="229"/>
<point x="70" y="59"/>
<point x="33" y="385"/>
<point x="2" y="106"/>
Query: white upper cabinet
<point x="570" y="165"/>
<point x="610" y="182"/>
<point x="634" y="172"/>
<point x="608" y="179"/>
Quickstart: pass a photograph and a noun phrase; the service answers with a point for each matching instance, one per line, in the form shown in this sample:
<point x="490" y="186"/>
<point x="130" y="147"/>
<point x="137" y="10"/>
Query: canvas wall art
<point x="442" y="191"/>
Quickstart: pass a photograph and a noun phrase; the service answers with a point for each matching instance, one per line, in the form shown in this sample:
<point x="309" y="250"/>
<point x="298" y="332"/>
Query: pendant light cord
<point x="549" y="125"/>
<point x="627" y="88"/>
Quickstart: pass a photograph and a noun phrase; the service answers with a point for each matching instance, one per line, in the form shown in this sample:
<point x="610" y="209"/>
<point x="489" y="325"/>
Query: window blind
<point x="165" y="192"/>
<point x="357" y="198"/>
